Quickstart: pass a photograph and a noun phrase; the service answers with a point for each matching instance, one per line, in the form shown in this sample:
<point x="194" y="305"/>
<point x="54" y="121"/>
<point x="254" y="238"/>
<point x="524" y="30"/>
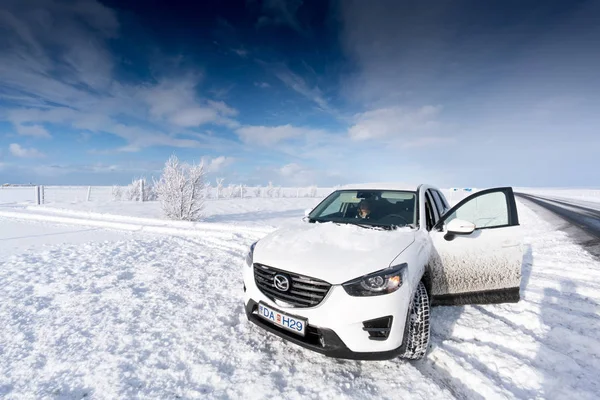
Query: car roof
<point x="382" y="186"/>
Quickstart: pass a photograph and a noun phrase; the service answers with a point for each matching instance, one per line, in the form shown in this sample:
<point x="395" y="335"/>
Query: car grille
<point x="303" y="291"/>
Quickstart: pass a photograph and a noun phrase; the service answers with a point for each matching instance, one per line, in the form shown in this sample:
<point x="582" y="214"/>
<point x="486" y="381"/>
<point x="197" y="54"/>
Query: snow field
<point x="117" y="314"/>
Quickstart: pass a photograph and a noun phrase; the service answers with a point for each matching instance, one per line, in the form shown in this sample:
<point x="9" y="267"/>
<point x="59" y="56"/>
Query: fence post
<point x="37" y="195"/>
<point x="141" y="190"/>
<point x="89" y="193"/>
<point x="42" y="194"/>
<point x="241" y="192"/>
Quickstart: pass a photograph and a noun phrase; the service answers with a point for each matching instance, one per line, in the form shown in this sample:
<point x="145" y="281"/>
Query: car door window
<point x="486" y="211"/>
<point x="438" y="202"/>
<point x="430" y="214"/>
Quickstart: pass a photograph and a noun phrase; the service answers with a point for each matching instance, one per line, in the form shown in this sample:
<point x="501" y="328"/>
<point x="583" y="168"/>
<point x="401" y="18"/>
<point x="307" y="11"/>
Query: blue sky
<point x="454" y="93"/>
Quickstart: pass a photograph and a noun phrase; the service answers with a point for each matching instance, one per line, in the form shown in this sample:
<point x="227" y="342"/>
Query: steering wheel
<point x="399" y="216"/>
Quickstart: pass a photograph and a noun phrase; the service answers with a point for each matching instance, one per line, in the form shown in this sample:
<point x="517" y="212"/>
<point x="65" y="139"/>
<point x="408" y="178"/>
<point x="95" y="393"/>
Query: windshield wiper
<point x="366" y="226"/>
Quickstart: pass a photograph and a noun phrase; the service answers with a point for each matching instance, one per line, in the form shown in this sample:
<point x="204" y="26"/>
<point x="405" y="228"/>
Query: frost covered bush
<point x="270" y="189"/>
<point x="181" y="190"/>
<point x="133" y="192"/>
<point x="220" y="187"/>
<point x="312" y="191"/>
<point x="256" y="191"/>
<point x="117" y="193"/>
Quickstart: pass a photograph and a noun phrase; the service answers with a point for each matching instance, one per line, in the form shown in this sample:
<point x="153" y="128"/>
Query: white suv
<point x="356" y="280"/>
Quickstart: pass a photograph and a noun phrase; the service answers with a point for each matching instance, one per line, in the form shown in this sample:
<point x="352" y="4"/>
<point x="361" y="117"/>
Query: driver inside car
<point x="364" y="210"/>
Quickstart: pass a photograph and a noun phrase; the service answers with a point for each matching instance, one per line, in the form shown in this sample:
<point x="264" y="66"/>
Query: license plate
<point x="283" y="320"/>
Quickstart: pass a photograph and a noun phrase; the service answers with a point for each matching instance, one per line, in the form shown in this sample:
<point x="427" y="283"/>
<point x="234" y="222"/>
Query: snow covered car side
<point x="357" y="279"/>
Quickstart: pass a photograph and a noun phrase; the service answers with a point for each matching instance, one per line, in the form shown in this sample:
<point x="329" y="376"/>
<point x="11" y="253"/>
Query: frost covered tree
<point x="256" y="191"/>
<point x="233" y="191"/>
<point x="133" y="191"/>
<point x="312" y="191"/>
<point x="117" y="193"/>
<point x="270" y="189"/>
<point x="220" y="187"/>
<point x="277" y="191"/>
<point x="243" y="190"/>
<point x="208" y="190"/>
<point x="181" y="190"/>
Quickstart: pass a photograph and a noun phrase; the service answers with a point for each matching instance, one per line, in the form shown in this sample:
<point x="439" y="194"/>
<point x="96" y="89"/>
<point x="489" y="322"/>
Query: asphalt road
<point x="582" y="223"/>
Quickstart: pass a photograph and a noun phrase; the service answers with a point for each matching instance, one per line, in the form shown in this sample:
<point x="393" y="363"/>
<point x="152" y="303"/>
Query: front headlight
<point x="381" y="282"/>
<point x="250" y="255"/>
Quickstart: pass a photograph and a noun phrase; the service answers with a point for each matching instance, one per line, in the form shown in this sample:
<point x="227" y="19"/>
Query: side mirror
<point x="306" y="214"/>
<point x="460" y="227"/>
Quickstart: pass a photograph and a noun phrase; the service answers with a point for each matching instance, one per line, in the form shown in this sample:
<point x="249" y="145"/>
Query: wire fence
<point x="78" y="194"/>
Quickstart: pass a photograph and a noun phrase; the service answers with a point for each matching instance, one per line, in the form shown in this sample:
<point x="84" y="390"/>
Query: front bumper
<point x="335" y="327"/>
<point x="320" y="340"/>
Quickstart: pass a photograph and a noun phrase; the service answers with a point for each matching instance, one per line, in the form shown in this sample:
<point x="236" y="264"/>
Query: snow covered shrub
<point x="132" y="192"/>
<point x="181" y="190"/>
<point x="243" y="191"/>
<point x="233" y="191"/>
<point x="208" y="190"/>
<point x="270" y="189"/>
<point x="277" y="191"/>
<point x="256" y="191"/>
<point x="117" y="193"/>
<point x="220" y="187"/>
<point x="312" y="191"/>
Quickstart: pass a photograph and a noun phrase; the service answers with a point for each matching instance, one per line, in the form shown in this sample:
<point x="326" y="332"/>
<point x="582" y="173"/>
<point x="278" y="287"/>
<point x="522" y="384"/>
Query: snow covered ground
<point x="98" y="306"/>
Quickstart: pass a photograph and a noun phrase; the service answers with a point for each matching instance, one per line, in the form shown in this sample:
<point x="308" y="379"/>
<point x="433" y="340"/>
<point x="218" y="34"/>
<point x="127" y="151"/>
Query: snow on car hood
<point x="335" y="253"/>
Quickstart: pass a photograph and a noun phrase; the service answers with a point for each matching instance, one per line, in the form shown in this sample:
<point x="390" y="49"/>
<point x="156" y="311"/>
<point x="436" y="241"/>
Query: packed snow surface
<point x="102" y="312"/>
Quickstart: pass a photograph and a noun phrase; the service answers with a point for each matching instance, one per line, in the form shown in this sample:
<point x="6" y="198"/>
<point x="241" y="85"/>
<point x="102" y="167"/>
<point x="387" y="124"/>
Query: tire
<point x="416" y="332"/>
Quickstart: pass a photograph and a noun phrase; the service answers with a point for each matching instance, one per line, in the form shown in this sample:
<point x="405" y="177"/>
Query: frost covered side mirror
<point x="306" y="214"/>
<point x="460" y="227"/>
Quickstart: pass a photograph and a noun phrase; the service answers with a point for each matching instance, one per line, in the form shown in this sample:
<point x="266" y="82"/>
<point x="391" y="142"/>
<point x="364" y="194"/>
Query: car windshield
<point x="372" y="208"/>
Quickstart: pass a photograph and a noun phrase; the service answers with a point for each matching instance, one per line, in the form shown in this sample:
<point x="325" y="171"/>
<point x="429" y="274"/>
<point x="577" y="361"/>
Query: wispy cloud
<point x="33" y="130"/>
<point x="270" y="135"/>
<point x="22" y="152"/>
<point x="299" y="85"/>
<point x="217" y="164"/>
<point x="393" y="122"/>
<point x="281" y="13"/>
<point x="241" y="52"/>
<point x="262" y="85"/>
<point x="84" y="95"/>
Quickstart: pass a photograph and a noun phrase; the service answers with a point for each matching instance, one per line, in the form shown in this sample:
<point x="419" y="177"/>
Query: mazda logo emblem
<point x="282" y="283"/>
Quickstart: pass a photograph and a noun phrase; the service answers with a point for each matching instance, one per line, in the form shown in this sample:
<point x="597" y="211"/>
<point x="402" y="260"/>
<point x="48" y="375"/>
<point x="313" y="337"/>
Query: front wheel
<point x="416" y="333"/>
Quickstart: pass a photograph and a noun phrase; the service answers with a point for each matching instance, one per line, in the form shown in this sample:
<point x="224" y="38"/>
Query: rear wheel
<point x="416" y="333"/>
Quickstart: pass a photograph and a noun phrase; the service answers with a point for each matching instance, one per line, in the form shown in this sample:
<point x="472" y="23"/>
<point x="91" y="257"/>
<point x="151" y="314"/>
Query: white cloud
<point x="241" y="52"/>
<point x="18" y="151"/>
<point x="138" y="138"/>
<point x="218" y="163"/>
<point x="87" y="97"/>
<point x="269" y="135"/>
<point x="290" y="169"/>
<point x="262" y="85"/>
<point x="33" y="130"/>
<point x="281" y="13"/>
<point x="298" y="84"/>
<point x="190" y="117"/>
<point x="393" y="122"/>
<point x="223" y="108"/>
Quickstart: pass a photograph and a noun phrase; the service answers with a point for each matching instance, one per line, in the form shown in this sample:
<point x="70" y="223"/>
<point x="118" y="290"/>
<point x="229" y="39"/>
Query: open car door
<point x="477" y="251"/>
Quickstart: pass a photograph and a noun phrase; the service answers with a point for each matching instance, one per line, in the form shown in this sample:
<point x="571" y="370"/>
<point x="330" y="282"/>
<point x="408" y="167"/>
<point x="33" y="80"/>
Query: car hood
<point x="335" y="253"/>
